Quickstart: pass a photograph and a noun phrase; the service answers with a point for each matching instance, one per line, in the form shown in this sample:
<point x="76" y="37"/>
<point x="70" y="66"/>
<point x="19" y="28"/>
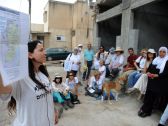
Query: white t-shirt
<point x="71" y="84"/>
<point x="102" y="56"/>
<point x="74" y="59"/>
<point x="141" y="61"/>
<point x="59" y="87"/>
<point x="93" y="81"/>
<point x="118" y="60"/>
<point x="34" y="106"/>
<point x="102" y="70"/>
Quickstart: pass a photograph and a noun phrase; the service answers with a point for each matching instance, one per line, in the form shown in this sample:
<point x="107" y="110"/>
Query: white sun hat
<point x="151" y="51"/>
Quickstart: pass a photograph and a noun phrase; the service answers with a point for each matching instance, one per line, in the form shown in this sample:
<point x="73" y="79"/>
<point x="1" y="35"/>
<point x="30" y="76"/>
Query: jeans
<point x="132" y="78"/>
<point x="164" y="117"/>
<point x="86" y="74"/>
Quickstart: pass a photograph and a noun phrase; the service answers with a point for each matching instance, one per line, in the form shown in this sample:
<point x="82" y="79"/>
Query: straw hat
<point x="151" y="51"/>
<point x="119" y="49"/>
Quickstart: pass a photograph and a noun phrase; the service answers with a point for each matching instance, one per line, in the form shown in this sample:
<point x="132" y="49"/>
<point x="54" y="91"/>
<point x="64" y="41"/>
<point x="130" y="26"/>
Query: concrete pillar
<point x="133" y="39"/>
<point x="96" y="39"/>
<point x="126" y="26"/>
<point x="118" y="41"/>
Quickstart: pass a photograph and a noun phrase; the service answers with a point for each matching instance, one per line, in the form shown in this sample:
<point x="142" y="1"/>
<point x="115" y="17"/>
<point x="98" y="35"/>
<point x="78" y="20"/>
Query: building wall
<point x="82" y="24"/>
<point x="109" y="30"/>
<point x="46" y="17"/>
<point x="60" y="24"/>
<point x="73" y="21"/>
<point x="37" y="27"/>
<point x="151" y="20"/>
<point x="46" y="39"/>
<point x="136" y="31"/>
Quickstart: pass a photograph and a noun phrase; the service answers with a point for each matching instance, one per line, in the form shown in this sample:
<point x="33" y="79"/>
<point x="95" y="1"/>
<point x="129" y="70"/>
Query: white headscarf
<point x="161" y="62"/>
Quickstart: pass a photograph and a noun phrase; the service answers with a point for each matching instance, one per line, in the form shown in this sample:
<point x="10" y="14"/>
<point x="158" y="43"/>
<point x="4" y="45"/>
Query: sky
<point x="23" y="5"/>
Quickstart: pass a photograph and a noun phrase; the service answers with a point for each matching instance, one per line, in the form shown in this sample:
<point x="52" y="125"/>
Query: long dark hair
<point x="101" y="47"/>
<point x="154" y="56"/>
<point x="31" y="46"/>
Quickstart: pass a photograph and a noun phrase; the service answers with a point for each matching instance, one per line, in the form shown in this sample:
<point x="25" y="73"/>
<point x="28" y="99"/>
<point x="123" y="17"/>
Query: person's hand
<point x="152" y="76"/>
<point x="65" y="92"/>
<point x="125" y="69"/>
<point x="155" y="75"/>
<point x="139" y="69"/>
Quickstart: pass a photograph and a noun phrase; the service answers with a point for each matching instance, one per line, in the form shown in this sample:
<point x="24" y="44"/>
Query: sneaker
<point x="77" y="102"/>
<point x="98" y="98"/>
<point x="70" y="105"/>
<point x="95" y="95"/>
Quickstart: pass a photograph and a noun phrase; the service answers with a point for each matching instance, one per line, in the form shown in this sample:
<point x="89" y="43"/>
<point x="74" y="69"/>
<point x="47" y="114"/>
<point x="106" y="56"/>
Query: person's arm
<point x="3" y="89"/>
<point x="137" y="61"/>
<point x="145" y="67"/>
<point x="76" y="85"/>
<point x="66" y="87"/>
<point x="93" y="56"/>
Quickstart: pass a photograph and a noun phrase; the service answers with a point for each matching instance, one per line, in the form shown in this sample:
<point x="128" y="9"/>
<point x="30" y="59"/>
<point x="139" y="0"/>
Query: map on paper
<point x="14" y="33"/>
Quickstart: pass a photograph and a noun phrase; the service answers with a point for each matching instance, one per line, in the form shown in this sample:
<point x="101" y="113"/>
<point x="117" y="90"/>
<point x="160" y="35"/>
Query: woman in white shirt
<point x="100" y="55"/>
<point x="75" y="59"/>
<point x="72" y="83"/>
<point x="32" y="96"/>
<point x="95" y="85"/>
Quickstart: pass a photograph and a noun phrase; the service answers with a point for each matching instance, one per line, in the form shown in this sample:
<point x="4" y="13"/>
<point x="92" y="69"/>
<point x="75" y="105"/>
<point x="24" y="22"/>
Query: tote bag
<point x="67" y="65"/>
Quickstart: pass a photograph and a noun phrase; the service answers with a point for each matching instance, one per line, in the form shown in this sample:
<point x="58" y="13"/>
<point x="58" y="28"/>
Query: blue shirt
<point x="88" y="55"/>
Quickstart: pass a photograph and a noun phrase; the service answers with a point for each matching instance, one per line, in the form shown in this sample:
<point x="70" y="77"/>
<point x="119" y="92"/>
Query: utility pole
<point x="30" y="18"/>
<point x="30" y="9"/>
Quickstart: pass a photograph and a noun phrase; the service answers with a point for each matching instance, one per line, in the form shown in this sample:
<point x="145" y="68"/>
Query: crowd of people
<point x="146" y="73"/>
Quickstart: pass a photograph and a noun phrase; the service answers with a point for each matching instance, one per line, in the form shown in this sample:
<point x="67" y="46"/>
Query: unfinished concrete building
<point x="131" y="23"/>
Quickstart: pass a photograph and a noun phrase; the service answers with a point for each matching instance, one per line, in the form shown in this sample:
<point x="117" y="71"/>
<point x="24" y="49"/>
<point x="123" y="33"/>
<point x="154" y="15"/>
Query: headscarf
<point x="161" y="62"/>
<point x="112" y="50"/>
